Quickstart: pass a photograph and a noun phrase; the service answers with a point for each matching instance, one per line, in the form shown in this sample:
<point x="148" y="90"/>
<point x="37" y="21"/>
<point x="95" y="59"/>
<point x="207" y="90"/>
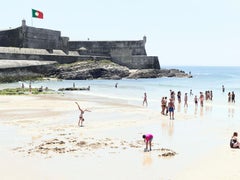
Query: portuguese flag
<point x="37" y="14"/>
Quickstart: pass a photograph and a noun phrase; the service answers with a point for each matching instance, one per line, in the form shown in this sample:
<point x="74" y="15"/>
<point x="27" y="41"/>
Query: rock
<point x="156" y="73"/>
<point x="91" y="70"/>
<point x="82" y="70"/>
<point x="74" y="89"/>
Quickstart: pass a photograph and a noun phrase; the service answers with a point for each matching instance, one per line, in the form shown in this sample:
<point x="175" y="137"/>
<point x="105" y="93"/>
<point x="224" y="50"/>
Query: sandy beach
<point x="40" y="139"/>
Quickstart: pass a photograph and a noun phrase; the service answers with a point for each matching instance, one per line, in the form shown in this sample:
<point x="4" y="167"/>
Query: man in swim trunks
<point x="171" y="108"/>
<point x="148" y="140"/>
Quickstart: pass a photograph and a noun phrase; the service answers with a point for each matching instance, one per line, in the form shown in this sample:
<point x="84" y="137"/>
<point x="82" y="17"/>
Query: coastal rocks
<point x="14" y="74"/>
<point x="108" y="70"/>
<point x="82" y="70"/>
<point x="91" y="70"/>
<point x="156" y="73"/>
<point x="75" y="89"/>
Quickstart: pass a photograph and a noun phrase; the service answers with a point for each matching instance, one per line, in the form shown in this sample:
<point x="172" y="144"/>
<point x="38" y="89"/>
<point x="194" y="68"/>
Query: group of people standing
<point x="169" y="106"/>
<point x="231" y="97"/>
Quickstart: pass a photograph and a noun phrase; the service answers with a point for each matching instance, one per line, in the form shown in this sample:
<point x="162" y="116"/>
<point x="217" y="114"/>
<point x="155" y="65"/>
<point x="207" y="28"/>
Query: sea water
<point x="132" y="90"/>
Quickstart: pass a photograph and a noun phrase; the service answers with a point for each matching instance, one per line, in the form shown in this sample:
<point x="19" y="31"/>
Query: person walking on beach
<point x="145" y="99"/>
<point x="191" y="93"/>
<point x="171" y="108"/>
<point x="148" y="141"/>
<point x="185" y="100"/>
<point x="196" y="100"/>
<point x="201" y="99"/>
<point x="234" y="143"/>
<point x="233" y="97"/>
<point x="179" y="96"/>
<point x="229" y="97"/>
<point x="223" y="88"/>
<point x="81" y="119"/>
<point x="163" y="105"/>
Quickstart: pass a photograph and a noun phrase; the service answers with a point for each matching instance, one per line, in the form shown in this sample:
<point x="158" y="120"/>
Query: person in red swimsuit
<point x="148" y="140"/>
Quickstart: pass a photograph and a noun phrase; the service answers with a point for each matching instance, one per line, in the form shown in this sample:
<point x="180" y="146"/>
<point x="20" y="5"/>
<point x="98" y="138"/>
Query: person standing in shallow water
<point x="233" y="97"/>
<point x="171" y="108"/>
<point x="201" y="99"/>
<point x="81" y="119"/>
<point x="145" y="99"/>
<point x="185" y="100"/>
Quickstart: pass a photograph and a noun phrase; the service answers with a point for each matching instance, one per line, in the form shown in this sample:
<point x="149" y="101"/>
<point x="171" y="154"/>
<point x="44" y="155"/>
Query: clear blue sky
<point x="179" y="32"/>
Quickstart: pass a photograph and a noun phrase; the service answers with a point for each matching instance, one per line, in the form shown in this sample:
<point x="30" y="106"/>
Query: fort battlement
<point x="31" y="43"/>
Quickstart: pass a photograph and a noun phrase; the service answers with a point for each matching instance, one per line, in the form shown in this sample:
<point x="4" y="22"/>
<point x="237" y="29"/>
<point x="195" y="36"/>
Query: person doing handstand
<point x="81" y="119"/>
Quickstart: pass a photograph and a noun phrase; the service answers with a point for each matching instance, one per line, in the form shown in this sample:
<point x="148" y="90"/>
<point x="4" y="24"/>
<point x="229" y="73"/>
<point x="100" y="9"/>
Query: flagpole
<point x="32" y="21"/>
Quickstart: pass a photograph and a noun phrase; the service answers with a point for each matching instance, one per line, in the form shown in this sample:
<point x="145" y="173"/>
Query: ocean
<point x="132" y="90"/>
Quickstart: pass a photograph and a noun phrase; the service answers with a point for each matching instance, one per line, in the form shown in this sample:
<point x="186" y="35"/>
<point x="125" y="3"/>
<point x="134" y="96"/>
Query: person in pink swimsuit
<point x="148" y="140"/>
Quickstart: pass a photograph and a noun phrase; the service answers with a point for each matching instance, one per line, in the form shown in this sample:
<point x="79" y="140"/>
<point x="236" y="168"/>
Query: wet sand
<point x="40" y="139"/>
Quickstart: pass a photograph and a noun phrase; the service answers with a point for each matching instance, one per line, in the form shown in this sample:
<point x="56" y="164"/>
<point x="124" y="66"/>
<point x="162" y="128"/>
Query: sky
<point x="179" y="32"/>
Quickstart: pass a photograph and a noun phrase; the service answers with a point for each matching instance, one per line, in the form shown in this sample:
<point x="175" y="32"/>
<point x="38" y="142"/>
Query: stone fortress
<point x="45" y="45"/>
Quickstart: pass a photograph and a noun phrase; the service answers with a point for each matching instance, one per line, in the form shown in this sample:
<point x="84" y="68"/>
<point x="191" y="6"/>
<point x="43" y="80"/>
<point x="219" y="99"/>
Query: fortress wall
<point x="43" y="55"/>
<point x="105" y="47"/>
<point x="41" y="38"/>
<point x="59" y="59"/>
<point x="31" y="37"/>
<point x="125" y="58"/>
<point x="10" y="38"/>
<point x="145" y="62"/>
<point x="43" y="44"/>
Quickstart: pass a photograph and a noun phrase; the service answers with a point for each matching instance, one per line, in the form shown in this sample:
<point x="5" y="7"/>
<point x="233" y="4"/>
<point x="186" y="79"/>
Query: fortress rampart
<point x="30" y="43"/>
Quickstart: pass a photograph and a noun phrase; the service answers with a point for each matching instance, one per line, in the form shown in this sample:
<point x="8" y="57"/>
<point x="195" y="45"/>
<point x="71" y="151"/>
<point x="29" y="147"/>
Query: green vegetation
<point x="24" y="91"/>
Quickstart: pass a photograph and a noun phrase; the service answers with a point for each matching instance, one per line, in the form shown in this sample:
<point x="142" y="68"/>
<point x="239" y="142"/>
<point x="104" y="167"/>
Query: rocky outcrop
<point x="156" y="73"/>
<point x="13" y="72"/>
<point x="108" y="70"/>
<point x="82" y="70"/>
<point x="91" y="70"/>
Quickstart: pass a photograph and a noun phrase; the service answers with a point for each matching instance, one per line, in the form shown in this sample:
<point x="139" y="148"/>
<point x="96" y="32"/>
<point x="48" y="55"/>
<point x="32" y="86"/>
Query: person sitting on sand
<point x="148" y="140"/>
<point x="81" y="119"/>
<point x="234" y="143"/>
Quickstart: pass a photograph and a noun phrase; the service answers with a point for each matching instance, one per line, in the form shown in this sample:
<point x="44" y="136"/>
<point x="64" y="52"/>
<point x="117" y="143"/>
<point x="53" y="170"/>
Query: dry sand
<point x="40" y="139"/>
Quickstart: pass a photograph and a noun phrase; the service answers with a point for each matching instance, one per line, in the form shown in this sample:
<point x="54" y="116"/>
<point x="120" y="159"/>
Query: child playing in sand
<point x="234" y="143"/>
<point x="148" y="140"/>
<point x="81" y="119"/>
